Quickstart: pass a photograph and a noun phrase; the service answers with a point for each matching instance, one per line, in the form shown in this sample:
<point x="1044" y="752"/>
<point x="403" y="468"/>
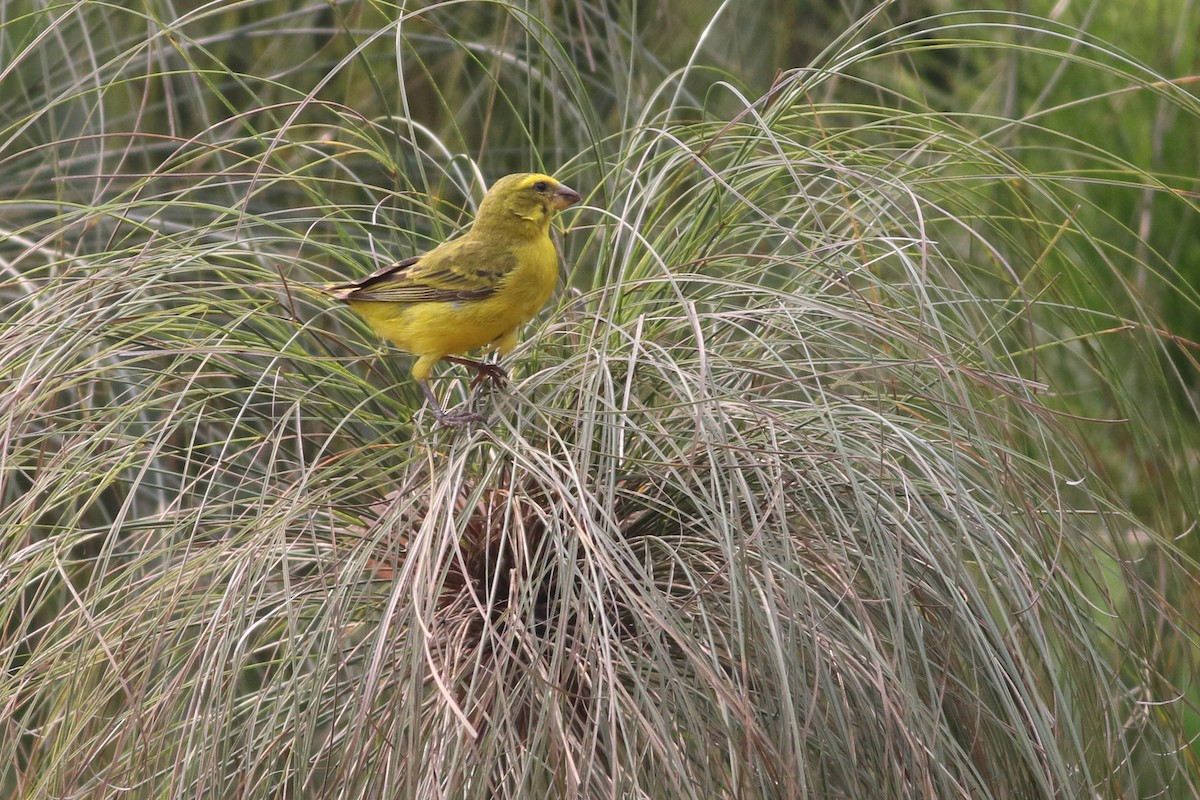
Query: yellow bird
<point x="473" y="291"/>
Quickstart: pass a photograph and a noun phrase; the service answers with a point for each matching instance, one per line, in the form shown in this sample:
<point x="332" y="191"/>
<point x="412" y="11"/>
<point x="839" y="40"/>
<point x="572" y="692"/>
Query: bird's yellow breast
<point x="437" y="329"/>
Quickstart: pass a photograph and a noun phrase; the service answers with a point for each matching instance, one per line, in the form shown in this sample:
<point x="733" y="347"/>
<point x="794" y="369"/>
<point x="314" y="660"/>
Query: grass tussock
<point x="801" y="488"/>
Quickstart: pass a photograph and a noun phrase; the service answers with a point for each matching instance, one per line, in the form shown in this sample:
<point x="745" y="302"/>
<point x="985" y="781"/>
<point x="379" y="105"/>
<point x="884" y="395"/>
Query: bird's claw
<point x="493" y="372"/>
<point x="458" y="419"/>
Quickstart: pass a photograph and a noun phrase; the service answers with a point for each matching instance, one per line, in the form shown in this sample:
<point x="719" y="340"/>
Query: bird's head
<point x="526" y="201"/>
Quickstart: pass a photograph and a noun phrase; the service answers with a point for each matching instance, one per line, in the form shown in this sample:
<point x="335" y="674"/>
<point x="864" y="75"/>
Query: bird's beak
<point x="564" y="197"/>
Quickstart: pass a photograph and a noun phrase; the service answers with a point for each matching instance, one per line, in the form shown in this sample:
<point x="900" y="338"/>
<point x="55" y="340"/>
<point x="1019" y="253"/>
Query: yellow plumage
<point x="471" y="292"/>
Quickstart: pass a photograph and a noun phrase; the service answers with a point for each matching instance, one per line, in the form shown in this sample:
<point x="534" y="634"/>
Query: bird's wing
<point x="458" y="270"/>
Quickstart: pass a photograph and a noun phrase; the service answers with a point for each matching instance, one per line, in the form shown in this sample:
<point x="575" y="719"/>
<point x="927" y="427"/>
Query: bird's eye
<point x="540" y="186"/>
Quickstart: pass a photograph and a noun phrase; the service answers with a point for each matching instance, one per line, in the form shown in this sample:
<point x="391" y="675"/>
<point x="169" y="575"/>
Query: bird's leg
<point x="493" y="372"/>
<point x="456" y="419"/>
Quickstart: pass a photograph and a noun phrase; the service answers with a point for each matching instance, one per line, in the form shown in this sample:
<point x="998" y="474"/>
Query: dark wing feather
<point x="383" y="273"/>
<point x="458" y="270"/>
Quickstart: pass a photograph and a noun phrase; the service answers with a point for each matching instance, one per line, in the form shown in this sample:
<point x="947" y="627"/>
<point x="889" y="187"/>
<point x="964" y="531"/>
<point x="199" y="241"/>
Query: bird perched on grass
<point x="473" y="291"/>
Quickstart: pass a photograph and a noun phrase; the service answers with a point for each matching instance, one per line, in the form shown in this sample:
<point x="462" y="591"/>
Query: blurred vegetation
<point x="857" y="457"/>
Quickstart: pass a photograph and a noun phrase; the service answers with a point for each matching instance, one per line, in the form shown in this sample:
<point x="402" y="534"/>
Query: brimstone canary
<point x="470" y="292"/>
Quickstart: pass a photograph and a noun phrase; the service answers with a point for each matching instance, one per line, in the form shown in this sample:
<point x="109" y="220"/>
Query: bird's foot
<point x="493" y="372"/>
<point x="451" y="419"/>
<point x="458" y="419"/>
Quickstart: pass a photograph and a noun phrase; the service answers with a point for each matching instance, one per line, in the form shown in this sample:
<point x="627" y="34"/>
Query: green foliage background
<point x="856" y="458"/>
